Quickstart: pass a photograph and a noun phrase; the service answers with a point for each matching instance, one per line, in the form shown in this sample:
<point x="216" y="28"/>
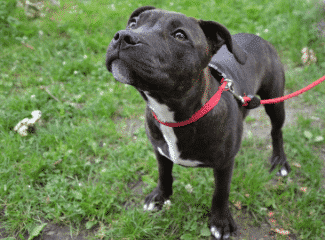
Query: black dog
<point x="176" y="63"/>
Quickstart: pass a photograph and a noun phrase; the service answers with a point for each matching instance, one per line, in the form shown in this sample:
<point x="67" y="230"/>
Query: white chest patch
<point x="165" y="115"/>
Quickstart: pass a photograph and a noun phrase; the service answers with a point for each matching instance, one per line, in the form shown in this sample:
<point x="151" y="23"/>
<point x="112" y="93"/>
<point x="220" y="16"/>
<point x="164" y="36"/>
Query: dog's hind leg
<point x="277" y="114"/>
<point x="274" y="88"/>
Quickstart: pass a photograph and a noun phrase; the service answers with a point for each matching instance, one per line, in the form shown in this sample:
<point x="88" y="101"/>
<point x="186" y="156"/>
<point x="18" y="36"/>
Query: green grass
<point x="250" y="119"/>
<point x="80" y="164"/>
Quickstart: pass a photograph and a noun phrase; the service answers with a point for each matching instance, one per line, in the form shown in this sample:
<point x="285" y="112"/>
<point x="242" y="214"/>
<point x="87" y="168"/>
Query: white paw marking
<point x="167" y="203"/>
<point x="215" y="232"/>
<point x="145" y="207"/>
<point x="151" y="206"/>
<point x="284" y="172"/>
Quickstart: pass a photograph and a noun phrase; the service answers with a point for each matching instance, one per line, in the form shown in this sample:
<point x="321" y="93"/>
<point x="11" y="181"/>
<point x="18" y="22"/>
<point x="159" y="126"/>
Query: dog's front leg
<point x="221" y="223"/>
<point x="155" y="200"/>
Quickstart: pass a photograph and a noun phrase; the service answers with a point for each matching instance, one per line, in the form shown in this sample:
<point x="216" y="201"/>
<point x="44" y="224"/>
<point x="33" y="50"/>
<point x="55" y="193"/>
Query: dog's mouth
<point x="121" y="71"/>
<point x="124" y="73"/>
<point x="111" y="55"/>
<point x="109" y="64"/>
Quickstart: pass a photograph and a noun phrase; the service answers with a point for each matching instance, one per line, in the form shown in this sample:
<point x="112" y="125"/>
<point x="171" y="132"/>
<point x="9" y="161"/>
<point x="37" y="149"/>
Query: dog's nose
<point x="126" y="39"/>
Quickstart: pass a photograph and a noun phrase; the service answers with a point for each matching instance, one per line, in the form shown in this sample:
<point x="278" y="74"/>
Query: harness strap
<point x="208" y="106"/>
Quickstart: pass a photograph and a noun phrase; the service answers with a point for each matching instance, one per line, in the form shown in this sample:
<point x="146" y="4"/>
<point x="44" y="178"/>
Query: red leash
<point x="208" y="106"/>
<point x="281" y="99"/>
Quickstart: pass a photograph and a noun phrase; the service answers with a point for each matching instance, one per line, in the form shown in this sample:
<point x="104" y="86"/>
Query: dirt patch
<point x="54" y="231"/>
<point x="249" y="231"/>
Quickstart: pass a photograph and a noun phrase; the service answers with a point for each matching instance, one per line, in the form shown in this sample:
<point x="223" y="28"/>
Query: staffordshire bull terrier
<point x="176" y="63"/>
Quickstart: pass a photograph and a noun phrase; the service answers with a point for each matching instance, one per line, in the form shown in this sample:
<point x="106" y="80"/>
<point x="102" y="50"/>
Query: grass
<point x="82" y="164"/>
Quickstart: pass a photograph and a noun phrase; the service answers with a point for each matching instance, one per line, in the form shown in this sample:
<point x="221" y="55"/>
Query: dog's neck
<point x="206" y="85"/>
<point x="181" y="109"/>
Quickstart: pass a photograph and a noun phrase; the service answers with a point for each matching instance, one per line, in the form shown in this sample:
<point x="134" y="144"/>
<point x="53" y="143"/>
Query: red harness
<point x="208" y="106"/>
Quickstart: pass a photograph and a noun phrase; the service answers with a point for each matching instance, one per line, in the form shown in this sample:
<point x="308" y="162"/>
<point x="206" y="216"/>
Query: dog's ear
<point x="138" y="11"/>
<point x="218" y="35"/>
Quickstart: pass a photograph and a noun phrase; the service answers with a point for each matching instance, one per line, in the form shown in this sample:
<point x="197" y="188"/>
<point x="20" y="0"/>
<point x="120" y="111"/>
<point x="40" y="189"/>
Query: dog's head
<point x="165" y="51"/>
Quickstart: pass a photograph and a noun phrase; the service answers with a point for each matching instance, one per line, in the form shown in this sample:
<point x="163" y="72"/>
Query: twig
<point x="28" y="46"/>
<point x="46" y="90"/>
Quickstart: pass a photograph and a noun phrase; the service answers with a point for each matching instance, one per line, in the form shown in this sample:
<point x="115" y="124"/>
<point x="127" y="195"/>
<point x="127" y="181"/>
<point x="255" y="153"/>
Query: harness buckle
<point x="230" y="87"/>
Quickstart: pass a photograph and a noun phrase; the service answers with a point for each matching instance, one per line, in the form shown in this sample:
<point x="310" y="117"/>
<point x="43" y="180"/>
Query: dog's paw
<point x="282" y="172"/>
<point x="222" y="229"/>
<point x="217" y="233"/>
<point x="153" y="206"/>
<point x="280" y="161"/>
<point x="155" y="201"/>
<point x="149" y="207"/>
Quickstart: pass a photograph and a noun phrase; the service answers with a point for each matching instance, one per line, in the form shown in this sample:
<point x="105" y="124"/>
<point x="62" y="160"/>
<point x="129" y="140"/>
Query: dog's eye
<point x="133" y="23"/>
<point x="180" y="35"/>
